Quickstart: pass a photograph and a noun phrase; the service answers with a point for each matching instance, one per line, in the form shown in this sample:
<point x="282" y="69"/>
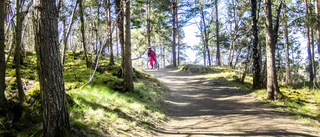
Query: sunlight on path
<point x="199" y="110"/>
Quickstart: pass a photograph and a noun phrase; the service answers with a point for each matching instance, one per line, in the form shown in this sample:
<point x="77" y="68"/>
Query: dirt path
<point x="199" y="110"/>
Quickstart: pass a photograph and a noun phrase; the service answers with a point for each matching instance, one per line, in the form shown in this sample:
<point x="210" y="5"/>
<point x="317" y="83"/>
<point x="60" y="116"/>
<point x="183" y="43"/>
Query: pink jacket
<point x="151" y="53"/>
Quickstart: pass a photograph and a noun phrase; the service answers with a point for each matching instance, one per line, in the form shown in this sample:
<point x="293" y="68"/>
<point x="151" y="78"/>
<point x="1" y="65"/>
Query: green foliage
<point x="96" y="109"/>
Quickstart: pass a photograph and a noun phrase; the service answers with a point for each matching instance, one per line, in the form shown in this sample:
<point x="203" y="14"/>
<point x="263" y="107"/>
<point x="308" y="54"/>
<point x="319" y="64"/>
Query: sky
<point x="191" y="40"/>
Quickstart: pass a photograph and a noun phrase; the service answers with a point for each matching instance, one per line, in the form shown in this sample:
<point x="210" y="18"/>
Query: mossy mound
<point x="199" y="69"/>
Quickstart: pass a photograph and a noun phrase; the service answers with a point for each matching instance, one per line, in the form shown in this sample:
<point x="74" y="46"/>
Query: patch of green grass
<point x="297" y="100"/>
<point x="99" y="108"/>
<point x="102" y="109"/>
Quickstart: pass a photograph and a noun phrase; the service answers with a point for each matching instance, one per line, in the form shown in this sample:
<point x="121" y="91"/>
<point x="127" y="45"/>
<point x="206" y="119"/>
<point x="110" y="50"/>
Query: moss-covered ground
<point x="100" y="108"/>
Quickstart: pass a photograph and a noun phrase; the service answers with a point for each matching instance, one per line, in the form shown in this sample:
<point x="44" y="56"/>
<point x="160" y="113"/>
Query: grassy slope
<point x="96" y="109"/>
<point x="298" y="100"/>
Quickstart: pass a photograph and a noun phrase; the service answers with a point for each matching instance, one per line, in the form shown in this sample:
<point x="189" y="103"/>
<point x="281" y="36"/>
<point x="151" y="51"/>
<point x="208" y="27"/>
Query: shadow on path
<point x="198" y="110"/>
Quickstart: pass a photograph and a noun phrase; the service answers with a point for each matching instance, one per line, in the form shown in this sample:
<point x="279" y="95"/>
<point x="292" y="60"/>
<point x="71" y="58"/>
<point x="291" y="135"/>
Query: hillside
<point x="99" y="108"/>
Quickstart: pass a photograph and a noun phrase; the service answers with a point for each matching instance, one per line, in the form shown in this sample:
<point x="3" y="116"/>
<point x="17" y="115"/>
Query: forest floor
<point x="197" y="109"/>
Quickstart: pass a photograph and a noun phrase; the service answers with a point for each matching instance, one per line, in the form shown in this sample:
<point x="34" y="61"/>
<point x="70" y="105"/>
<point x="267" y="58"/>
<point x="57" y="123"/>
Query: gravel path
<point x="197" y="110"/>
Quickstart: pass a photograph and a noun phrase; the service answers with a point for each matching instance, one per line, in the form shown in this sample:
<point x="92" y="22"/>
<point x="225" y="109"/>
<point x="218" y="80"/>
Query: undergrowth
<point x="99" y="108"/>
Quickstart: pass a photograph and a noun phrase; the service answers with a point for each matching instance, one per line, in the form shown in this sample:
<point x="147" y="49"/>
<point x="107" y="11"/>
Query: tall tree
<point x="127" y="70"/>
<point x="174" y="30"/>
<point x="53" y="96"/>
<point x="18" y="28"/>
<point x="218" y="56"/>
<point x="286" y="47"/>
<point x="316" y="2"/>
<point x="308" y="42"/>
<point x="206" y="47"/>
<point x="271" y="40"/>
<point x="119" y="12"/>
<point x="255" y="49"/>
<point x="148" y="23"/>
<point x="2" y="56"/>
<point x="178" y="35"/>
<point x="83" y="36"/>
<point x="109" y="30"/>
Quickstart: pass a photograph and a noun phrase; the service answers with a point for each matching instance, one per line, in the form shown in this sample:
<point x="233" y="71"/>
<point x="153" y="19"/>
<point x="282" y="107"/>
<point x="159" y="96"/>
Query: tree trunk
<point x="308" y="43"/>
<point x="286" y="45"/>
<point x="234" y="37"/>
<point x="53" y="96"/>
<point x="83" y="33"/>
<point x="174" y="59"/>
<point x="108" y="21"/>
<point x="117" y="42"/>
<point x="237" y="58"/>
<point x="178" y="35"/>
<point x="17" y="37"/>
<point x="206" y="47"/>
<point x="246" y="65"/>
<point x="65" y="38"/>
<point x="271" y="40"/>
<point x="256" y="53"/>
<point x="127" y="70"/>
<point x="318" y="29"/>
<point x="312" y="54"/>
<point x="218" y="57"/>
<point x="148" y="23"/>
<point x="2" y="56"/>
<point x="119" y="13"/>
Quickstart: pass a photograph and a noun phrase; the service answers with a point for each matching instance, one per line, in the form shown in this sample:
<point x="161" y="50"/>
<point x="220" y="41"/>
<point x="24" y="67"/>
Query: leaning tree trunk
<point x="18" y="28"/>
<point x="218" y="56"/>
<point x="127" y="70"/>
<point x="83" y="33"/>
<point x="255" y="49"/>
<point x="53" y="96"/>
<point x="65" y="38"/>
<point x="2" y="56"/>
<point x="174" y="30"/>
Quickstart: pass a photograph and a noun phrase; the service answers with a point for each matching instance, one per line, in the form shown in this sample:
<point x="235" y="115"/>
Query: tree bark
<point x="205" y="37"/>
<point x="174" y="30"/>
<point x="318" y="29"/>
<point x="53" y="96"/>
<point x="83" y="33"/>
<point x="18" y="28"/>
<point x="308" y="43"/>
<point x="127" y="71"/>
<point x="218" y="57"/>
<point x="286" y="48"/>
<point x="255" y="49"/>
<point x="2" y="56"/>
<point x="271" y="33"/>
<point x="119" y="11"/>
<point x="246" y="65"/>
<point x="178" y="35"/>
<point x="108" y="21"/>
<point x="148" y="23"/>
